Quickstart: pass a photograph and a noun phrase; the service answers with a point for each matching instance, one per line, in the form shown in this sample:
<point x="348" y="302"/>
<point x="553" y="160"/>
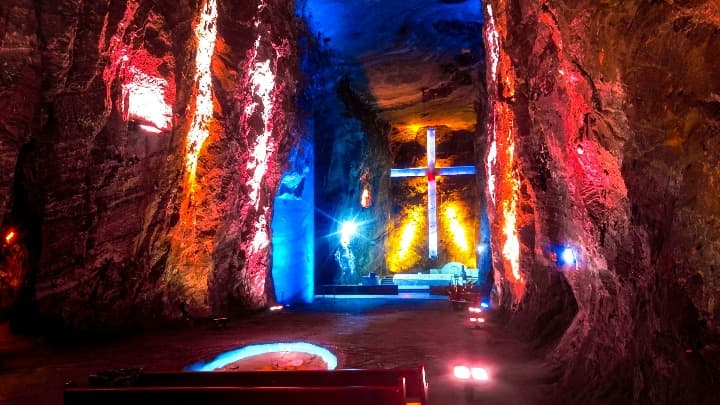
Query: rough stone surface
<point x="613" y="107"/>
<point x="117" y="236"/>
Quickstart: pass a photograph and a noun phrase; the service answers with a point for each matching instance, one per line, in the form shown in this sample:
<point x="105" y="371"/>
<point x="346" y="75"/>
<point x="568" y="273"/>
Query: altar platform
<point x="423" y="280"/>
<point x="431" y="282"/>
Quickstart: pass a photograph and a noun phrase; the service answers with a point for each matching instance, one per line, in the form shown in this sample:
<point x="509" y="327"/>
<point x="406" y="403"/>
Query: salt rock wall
<point x="117" y="222"/>
<point x="351" y="157"/>
<point x="605" y="118"/>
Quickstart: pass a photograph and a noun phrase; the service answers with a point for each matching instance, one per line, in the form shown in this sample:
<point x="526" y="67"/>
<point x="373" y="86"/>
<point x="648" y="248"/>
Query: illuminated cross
<point x="431" y="171"/>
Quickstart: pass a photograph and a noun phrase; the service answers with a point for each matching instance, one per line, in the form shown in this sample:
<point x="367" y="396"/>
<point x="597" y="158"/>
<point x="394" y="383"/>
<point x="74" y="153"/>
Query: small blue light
<point x="232" y="356"/>
<point x="484" y="305"/>
<point x="567" y="256"/>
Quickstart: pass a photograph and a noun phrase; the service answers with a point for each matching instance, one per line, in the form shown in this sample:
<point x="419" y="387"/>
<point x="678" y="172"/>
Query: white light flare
<point x="262" y="82"/>
<point x="461" y="372"/>
<point x="457" y="229"/>
<point x="260" y="240"/>
<point x="467" y="373"/>
<point x="347" y="231"/>
<point x="150" y="128"/>
<point x="407" y="238"/>
<point x="206" y="34"/>
<point x="145" y="97"/>
<point x="511" y="247"/>
<point x="491" y="161"/>
<point x="479" y="374"/>
<point x="494" y="55"/>
<point x="494" y="44"/>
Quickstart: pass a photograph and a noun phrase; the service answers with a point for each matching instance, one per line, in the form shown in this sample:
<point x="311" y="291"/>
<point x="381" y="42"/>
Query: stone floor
<point x="362" y="332"/>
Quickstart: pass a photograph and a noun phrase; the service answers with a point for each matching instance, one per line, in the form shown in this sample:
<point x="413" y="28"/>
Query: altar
<point x="435" y="277"/>
<point x="422" y="280"/>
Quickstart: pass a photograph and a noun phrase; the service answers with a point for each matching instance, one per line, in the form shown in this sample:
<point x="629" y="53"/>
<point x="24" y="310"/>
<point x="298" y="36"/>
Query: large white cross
<point x="431" y="171"/>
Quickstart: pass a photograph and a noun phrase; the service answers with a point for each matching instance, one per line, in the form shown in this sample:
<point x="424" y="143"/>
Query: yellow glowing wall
<point x="408" y="237"/>
<point x="404" y="237"/>
<point x="457" y="226"/>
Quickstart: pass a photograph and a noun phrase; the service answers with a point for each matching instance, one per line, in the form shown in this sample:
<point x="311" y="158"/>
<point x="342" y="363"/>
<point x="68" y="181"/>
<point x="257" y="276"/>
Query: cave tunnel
<point x="166" y="163"/>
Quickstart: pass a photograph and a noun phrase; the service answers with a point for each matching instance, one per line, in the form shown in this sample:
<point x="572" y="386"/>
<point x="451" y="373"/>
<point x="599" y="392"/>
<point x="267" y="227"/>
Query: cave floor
<point x="376" y="332"/>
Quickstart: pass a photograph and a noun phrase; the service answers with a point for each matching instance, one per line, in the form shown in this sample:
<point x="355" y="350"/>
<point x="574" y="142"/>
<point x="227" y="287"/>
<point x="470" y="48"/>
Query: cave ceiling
<point x="416" y="62"/>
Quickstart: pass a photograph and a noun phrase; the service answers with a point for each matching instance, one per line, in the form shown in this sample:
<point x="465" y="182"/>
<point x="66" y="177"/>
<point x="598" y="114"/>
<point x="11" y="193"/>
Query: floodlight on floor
<point x="479" y="374"/>
<point x="461" y="372"/>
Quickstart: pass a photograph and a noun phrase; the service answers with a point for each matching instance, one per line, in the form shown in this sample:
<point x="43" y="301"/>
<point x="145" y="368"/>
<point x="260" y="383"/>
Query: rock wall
<point x="351" y="156"/>
<point x="605" y="117"/>
<point x="99" y="100"/>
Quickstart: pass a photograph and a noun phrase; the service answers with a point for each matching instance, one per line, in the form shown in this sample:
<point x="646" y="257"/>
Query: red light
<point x="10" y="237"/>
<point x="462" y="372"/>
<point x="479" y="374"/>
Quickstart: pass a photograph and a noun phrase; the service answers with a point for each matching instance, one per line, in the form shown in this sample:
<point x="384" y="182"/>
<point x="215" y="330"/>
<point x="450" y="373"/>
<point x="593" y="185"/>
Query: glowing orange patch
<point x="206" y="34"/>
<point x="10" y="236"/>
<point x="456" y="228"/>
<point x="503" y="180"/>
<point x="365" y="198"/>
<point x="401" y="255"/>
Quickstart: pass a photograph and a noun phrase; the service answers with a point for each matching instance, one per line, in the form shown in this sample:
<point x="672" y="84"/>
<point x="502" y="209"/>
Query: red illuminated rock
<point x="105" y="191"/>
<point x="631" y="86"/>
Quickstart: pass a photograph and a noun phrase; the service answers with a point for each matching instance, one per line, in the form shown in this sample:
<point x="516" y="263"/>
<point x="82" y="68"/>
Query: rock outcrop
<point x="605" y="119"/>
<point x="99" y="100"/>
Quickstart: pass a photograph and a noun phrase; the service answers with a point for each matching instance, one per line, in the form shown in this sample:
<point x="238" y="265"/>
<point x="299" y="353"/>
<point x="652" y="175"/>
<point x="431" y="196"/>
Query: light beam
<point x="205" y="34"/>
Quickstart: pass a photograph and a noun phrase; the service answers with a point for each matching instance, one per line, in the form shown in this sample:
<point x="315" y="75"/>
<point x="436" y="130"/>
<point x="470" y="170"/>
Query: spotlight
<point x="479" y="374"/>
<point x="474" y="309"/>
<point x="347" y="231"/>
<point x="567" y="256"/>
<point x="476" y="373"/>
<point x="461" y="372"/>
<point x="485" y="305"/>
<point x="276" y="307"/>
<point x="10" y="236"/>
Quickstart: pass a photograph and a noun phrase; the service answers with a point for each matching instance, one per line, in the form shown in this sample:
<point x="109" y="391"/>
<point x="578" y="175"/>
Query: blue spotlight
<point x="567" y="256"/>
<point x="347" y="231"/>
